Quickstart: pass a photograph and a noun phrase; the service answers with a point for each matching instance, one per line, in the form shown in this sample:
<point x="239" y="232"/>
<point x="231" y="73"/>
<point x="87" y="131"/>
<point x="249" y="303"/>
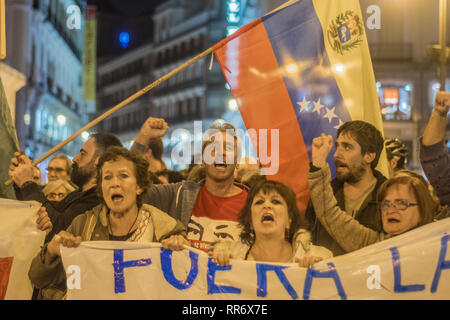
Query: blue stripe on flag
<point x="297" y="40"/>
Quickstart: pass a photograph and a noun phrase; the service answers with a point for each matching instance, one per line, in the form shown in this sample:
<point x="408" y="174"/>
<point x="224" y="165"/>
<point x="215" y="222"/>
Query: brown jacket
<point x="93" y="225"/>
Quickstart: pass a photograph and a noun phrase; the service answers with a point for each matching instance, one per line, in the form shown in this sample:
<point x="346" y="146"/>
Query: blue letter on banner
<point x="261" y="271"/>
<point x="119" y="265"/>
<point x="332" y="273"/>
<point x="211" y="277"/>
<point x="442" y="264"/>
<point x="398" y="287"/>
<point x="166" y="265"/>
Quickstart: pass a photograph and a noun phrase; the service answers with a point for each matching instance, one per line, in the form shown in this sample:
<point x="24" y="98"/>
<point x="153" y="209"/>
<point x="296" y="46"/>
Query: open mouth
<point x="267" y="217"/>
<point x="393" y="220"/>
<point x="220" y="165"/>
<point x="116" y="197"/>
<point x="340" y="164"/>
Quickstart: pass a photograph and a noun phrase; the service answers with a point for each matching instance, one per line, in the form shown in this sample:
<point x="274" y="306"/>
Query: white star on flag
<point x="339" y="124"/>
<point x="304" y="105"/>
<point x="330" y="114"/>
<point x="317" y="107"/>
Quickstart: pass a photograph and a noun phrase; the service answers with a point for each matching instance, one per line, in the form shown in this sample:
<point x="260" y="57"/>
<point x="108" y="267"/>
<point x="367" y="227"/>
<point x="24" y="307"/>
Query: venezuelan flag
<point x="304" y="69"/>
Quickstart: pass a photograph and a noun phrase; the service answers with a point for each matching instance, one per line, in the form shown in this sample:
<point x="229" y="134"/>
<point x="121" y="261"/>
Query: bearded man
<point x="358" y="148"/>
<point x="84" y="175"/>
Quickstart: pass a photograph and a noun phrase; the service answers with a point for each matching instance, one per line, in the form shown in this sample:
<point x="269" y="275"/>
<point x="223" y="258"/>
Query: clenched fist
<point x="152" y="128"/>
<point x="321" y="147"/>
<point x="442" y="103"/>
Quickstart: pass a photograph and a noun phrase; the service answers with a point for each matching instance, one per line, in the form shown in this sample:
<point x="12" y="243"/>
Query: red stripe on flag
<point x="5" y="270"/>
<point x="256" y="81"/>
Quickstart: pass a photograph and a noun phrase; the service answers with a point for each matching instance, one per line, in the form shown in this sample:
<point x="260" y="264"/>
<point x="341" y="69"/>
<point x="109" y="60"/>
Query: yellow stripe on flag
<point x="2" y="31"/>
<point x="347" y="48"/>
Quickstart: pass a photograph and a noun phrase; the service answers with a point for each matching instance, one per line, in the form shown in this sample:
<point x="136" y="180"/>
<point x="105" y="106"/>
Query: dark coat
<point x="62" y="213"/>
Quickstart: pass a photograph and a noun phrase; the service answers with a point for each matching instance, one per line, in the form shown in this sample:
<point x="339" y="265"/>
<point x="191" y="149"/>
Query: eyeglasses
<point x="54" y="196"/>
<point x="399" y="204"/>
<point x="57" y="170"/>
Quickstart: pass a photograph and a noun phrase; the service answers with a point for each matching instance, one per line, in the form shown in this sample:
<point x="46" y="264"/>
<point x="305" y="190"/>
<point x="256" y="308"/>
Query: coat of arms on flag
<point x="345" y="32"/>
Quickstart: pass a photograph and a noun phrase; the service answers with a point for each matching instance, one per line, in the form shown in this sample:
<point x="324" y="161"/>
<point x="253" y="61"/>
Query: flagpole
<point x="442" y="41"/>
<point x="119" y="106"/>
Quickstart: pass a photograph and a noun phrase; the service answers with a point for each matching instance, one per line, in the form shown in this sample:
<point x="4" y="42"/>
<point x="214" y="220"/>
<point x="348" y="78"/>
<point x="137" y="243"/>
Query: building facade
<point x="44" y="42"/>
<point x="118" y="79"/>
<point x="182" y="30"/>
<point x="405" y="70"/>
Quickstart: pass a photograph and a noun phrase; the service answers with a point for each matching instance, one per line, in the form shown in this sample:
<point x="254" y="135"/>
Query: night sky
<point x="116" y="16"/>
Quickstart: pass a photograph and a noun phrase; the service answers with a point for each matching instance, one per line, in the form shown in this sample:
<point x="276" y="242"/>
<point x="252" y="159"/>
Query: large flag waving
<point x="304" y="69"/>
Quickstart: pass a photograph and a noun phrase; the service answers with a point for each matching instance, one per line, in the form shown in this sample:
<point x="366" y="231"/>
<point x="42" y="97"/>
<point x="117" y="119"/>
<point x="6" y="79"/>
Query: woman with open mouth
<point x="272" y="230"/>
<point x="404" y="203"/>
<point x="122" y="181"/>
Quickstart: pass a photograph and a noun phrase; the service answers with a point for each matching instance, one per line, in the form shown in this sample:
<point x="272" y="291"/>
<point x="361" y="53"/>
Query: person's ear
<point x="369" y="157"/>
<point x="394" y="162"/>
<point x="139" y="191"/>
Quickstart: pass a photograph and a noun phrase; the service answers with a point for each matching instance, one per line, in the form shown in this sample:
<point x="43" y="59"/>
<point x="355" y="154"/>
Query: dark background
<point x="116" y="16"/>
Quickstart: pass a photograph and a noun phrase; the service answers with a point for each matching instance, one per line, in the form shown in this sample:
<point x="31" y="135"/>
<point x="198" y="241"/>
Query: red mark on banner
<point x="5" y="270"/>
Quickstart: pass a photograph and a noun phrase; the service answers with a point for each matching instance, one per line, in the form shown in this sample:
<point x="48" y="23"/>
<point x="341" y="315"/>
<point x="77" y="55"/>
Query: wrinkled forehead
<point x="57" y="163"/>
<point x="218" y="136"/>
<point x="401" y="191"/>
<point x="267" y="192"/>
<point x="347" y="137"/>
<point x="117" y="164"/>
<point x="59" y="189"/>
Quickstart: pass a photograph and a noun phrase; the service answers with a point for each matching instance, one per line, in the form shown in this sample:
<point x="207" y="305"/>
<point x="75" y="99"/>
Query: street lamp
<point x="61" y="119"/>
<point x="85" y="136"/>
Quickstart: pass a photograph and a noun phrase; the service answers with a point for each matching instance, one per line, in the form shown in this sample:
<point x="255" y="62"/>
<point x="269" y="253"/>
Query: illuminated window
<point x="395" y="101"/>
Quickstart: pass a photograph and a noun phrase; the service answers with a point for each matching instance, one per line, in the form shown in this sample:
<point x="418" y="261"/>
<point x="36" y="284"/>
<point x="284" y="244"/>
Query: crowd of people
<point x="226" y="206"/>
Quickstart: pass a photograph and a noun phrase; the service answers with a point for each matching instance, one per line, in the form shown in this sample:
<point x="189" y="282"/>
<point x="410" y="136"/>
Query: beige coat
<point x="93" y="225"/>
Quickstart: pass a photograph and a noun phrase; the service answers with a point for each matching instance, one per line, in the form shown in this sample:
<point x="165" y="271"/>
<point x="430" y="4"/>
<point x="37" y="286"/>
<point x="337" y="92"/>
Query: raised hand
<point x="21" y="169"/>
<point x="321" y="147"/>
<point x="152" y="128"/>
<point x="442" y="103"/>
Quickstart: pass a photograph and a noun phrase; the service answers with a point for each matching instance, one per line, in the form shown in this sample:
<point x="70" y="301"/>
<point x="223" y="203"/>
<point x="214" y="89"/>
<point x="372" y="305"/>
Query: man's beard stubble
<point x="81" y="176"/>
<point x="353" y="175"/>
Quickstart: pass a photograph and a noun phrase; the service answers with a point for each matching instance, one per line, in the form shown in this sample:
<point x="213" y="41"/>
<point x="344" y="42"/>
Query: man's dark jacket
<point x="367" y="215"/>
<point x="61" y="213"/>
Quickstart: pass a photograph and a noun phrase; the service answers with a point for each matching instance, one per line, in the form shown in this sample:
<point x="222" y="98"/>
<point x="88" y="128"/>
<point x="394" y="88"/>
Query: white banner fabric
<point x="20" y="241"/>
<point x="414" y="265"/>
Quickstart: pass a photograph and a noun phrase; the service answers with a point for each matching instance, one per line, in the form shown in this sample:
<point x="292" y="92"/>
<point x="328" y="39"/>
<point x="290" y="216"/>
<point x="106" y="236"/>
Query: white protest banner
<point x="20" y="241"/>
<point x="414" y="265"/>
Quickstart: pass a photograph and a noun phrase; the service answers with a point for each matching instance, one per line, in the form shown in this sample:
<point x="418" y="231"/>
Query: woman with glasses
<point x="404" y="203"/>
<point x="57" y="190"/>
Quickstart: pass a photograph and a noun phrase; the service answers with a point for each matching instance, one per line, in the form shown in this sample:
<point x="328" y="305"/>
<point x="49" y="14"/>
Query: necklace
<point x="257" y="257"/>
<point x="110" y="227"/>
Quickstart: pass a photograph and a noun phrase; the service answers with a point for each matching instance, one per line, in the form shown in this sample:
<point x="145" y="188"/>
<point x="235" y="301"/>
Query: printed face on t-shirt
<point x="202" y="231"/>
